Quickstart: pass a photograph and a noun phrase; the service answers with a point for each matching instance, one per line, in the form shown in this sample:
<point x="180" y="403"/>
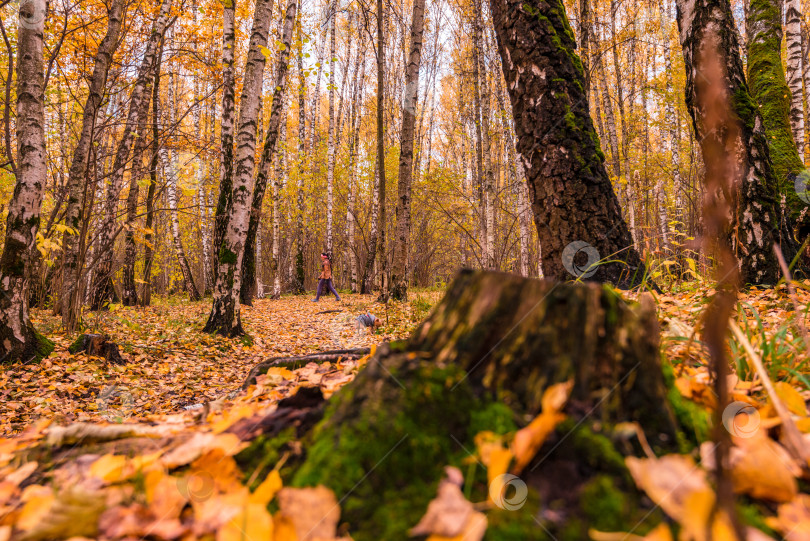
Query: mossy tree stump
<point x="481" y="361"/>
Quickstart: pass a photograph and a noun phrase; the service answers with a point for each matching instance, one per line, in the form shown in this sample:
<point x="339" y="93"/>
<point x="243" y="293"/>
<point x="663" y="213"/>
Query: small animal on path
<point x="367" y="322"/>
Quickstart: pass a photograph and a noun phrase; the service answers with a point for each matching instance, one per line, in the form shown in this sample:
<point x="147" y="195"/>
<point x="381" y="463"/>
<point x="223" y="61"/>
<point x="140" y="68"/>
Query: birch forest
<point x="380" y="269"/>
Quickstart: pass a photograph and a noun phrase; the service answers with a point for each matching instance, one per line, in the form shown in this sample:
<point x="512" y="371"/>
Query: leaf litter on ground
<point x="162" y="463"/>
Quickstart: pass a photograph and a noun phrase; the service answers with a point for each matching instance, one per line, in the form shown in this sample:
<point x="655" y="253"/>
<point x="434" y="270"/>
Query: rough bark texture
<point x="226" y="126"/>
<point x="19" y="341"/>
<point x="399" y="275"/>
<point x="103" y="291"/>
<point x="78" y="175"/>
<point x="248" y="288"/>
<point x="575" y="209"/>
<point x="225" y="318"/>
<point x="757" y="222"/>
<point x="794" y="66"/>
<point x="766" y="80"/>
<point x="481" y="360"/>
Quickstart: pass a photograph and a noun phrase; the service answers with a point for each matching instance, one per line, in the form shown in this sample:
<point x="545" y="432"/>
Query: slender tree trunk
<point x="129" y="292"/>
<point x="149" y="253"/>
<point x="575" y="209"/>
<point x="225" y="317"/>
<point x="795" y="65"/>
<point x="398" y="285"/>
<point x="378" y="237"/>
<point x="278" y="182"/>
<point x="766" y="80"/>
<point x="226" y="126"/>
<point x="480" y="179"/>
<point x="625" y="142"/>
<point x="330" y="152"/>
<point x="103" y="290"/>
<point x="277" y="117"/>
<point x="366" y="282"/>
<point x="585" y="43"/>
<point x="19" y="341"/>
<point x="354" y="141"/>
<point x="78" y="177"/>
<point x="488" y="224"/>
<point x="805" y="145"/>
<point x="302" y="138"/>
<point x="172" y="169"/>
<point x="673" y="141"/>
<point x="610" y="119"/>
<point x="707" y="25"/>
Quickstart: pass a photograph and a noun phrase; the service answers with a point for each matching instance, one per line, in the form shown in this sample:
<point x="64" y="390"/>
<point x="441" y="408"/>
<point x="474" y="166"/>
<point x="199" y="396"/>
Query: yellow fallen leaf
<point x="791" y="397"/>
<point x="38" y="501"/>
<point x="109" y="468"/>
<point x="230" y="417"/>
<point x="529" y="439"/>
<point x="492" y="454"/>
<point x="659" y="533"/>
<point x="265" y="492"/>
<point x="668" y="480"/>
<point x="283" y="528"/>
<point x="253" y="522"/>
<point x="163" y="495"/>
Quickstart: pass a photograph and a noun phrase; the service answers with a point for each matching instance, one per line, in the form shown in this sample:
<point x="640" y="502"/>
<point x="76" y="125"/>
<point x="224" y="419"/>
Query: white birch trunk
<point x="330" y="160"/>
<point x="18" y="339"/>
<point x="225" y="315"/>
<point x="793" y="70"/>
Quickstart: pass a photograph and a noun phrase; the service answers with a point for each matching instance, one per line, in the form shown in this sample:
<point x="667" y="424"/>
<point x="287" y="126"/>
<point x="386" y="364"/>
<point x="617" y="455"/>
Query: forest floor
<point x="174" y="365"/>
<point x="174" y="369"/>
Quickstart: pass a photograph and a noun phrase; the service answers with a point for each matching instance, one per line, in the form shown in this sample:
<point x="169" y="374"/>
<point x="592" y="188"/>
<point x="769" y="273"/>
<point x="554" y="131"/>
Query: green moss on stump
<point x="384" y="441"/>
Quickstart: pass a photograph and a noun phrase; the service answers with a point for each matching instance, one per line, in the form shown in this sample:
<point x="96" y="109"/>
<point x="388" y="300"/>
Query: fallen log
<point x="292" y="363"/>
<point x="481" y="362"/>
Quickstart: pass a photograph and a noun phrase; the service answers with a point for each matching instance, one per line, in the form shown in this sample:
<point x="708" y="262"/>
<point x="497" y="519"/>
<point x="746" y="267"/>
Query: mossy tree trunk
<point x="575" y="209"/>
<point x="769" y="89"/>
<point x="19" y="341"/>
<point x="481" y="361"/>
<point x="758" y="220"/>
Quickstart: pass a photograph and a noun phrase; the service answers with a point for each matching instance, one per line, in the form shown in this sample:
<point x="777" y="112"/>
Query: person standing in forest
<point x="325" y="278"/>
